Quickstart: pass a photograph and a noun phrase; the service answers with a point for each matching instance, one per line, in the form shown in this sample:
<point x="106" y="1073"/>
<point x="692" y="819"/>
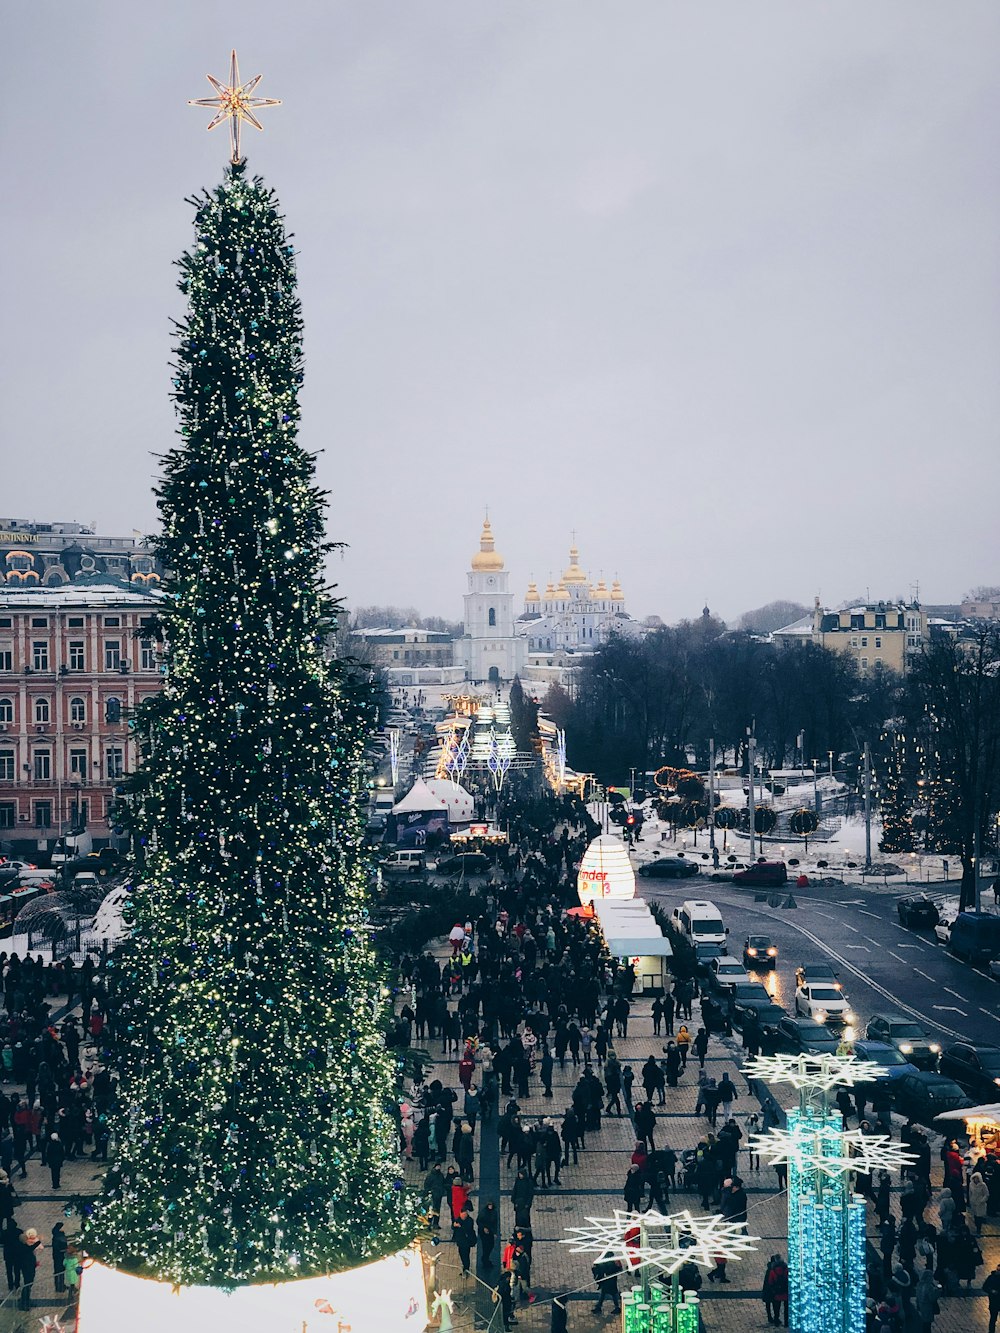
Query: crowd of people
<point x="63" y="1113"/>
<point x="528" y="990"/>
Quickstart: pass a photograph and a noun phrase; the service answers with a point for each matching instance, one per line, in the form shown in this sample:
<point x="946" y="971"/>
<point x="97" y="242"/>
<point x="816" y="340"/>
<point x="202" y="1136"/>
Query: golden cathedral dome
<point x="487" y="558"/>
<point x="532" y="594"/>
<point x="616" y="592"/>
<point x="574" y="574"/>
<point x="599" y="590"/>
<point x="562" y="593"/>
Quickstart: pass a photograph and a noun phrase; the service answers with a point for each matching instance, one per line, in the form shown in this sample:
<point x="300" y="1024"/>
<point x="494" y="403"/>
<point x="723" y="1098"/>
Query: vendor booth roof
<point x="418" y="799"/>
<point x="989" y="1112"/>
<point x="461" y="807"/>
<point x="629" y="929"/>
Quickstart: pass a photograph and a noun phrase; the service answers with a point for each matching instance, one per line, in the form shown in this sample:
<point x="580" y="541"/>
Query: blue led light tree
<point x="826" y="1219"/>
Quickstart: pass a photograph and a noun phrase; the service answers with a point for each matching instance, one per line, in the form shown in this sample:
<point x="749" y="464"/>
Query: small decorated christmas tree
<point x="254" y="1141"/>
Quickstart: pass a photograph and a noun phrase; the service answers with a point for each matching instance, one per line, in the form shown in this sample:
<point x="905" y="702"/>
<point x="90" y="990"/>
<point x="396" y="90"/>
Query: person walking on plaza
<point x="613" y="1084"/>
<point x="701" y="1046"/>
<point x="488" y="1224"/>
<point x="30" y="1244"/>
<point x="979" y="1199"/>
<point x="683" y="1043"/>
<point x="657" y="1016"/>
<point x="992" y="1289"/>
<point x="464" y="1237"/>
<point x="60" y="1246"/>
<point x="505" y="1294"/>
<point x="925" y="1300"/>
<point x="775" y="1291"/>
<point x="727" y="1095"/>
<point x="668" y="1013"/>
<point x="605" y="1273"/>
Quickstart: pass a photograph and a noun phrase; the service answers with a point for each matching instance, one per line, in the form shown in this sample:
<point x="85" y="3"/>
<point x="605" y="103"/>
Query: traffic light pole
<point x="751" y="806"/>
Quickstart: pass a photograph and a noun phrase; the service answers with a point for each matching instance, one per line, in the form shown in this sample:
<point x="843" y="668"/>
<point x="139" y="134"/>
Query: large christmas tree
<point x="254" y="1142"/>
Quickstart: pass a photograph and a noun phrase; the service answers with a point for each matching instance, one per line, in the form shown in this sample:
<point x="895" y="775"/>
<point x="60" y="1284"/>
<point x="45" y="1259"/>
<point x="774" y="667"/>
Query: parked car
<point x="669" y="867"/>
<point x="976" y="1068"/>
<point x="766" y="1016"/>
<point x="763" y="875"/>
<point x="924" y="1096"/>
<point x="103" y="863"/>
<point x="801" y="1036"/>
<point x="887" y="1057"/>
<point x="725" y="971"/>
<point x="464" y="863"/>
<point x="993" y="968"/>
<point x="825" y="1003"/>
<point x="706" y="955"/>
<point x="942" y="931"/>
<point x="759" y="952"/>
<point x="908" y="1037"/>
<point x="975" y="936"/>
<point x="808" y="973"/>
<point x="917" y="913"/>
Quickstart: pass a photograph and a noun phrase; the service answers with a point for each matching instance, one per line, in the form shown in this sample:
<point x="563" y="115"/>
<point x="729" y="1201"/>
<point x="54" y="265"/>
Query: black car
<point x="704" y="953"/>
<point x="766" y="1016"/>
<point x="925" y="1095"/>
<point x="908" y="1037"/>
<point x="669" y="867"/>
<point x="974" y="1068"/>
<point x="800" y="1036"/>
<point x="808" y="974"/>
<point x="917" y="913"/>
<point x="759" y="952"/>
<point x="464" y="863"/>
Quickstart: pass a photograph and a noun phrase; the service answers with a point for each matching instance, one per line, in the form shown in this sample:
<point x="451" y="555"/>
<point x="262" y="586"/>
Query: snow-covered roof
<point x="84" y="594"/>
<point x="804" y="626"/>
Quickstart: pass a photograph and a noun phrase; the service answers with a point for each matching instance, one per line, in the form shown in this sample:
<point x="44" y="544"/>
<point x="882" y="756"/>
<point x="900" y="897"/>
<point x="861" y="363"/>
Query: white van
<point x="700" y="921"/>
<point x="405" y="862"/>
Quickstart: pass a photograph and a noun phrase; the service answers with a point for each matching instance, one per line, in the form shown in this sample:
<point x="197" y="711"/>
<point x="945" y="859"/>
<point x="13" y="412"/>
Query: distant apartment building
<point x="981" y="609"/>
<point x="408" y="646"/>
<point x="876" y="634"/>
<point x="74" y="663"/>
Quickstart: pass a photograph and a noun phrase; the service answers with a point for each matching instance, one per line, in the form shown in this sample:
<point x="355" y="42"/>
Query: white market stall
<point x="631" y="933"/>
<point x="982" y="1125"/>
<point x="459" y="802"/>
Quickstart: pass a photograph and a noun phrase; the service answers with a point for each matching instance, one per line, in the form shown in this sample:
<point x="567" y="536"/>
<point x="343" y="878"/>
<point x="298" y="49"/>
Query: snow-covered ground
<point x="844" y="853"/>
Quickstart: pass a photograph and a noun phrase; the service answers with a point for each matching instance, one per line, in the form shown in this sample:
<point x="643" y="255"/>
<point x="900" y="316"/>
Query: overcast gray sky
<point x="715" y="284"/>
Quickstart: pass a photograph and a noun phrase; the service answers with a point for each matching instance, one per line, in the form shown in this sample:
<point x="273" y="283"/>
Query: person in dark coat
<point x="635" y="1190"/>
<point x="464" y="1237"/>
<point x="59" y="1247"/>
<point x="522" y="1196"/>
<point x="645" y="1123"/>
<point x="55" y="1155"/>
<point x="10" y="1238"/>
<point x="672" y="1064"/>
<point x="605" y="1273"/>
<point x="488" y="1223"/>
<point x="30" y="1244"/>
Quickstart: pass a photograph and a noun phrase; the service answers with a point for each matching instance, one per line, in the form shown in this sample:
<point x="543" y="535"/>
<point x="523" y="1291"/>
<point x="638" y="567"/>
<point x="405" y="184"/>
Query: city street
<point x="882" y="966"/>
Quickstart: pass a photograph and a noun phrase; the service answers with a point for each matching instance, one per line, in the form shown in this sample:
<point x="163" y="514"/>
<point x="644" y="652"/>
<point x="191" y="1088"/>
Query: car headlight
<point x="820" y="1015"/>
<point x="848" y="1016"/>
<point x="935" y="1048"/>
<point x="906" y="1048"/>
<point x="997" y="1082"/>
<point x="837" y="986"/>
<point x="752" y="953"/>
<point x="772" y="953"/>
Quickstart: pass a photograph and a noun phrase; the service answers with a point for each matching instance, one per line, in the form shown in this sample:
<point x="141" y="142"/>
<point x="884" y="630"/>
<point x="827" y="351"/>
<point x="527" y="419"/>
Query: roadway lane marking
<point x="923" y="974"/>
<point x="953" y="992"/>
<point x="862" y="912"/>
<point x="827" y="916"/>
<point x="871" y="941"/>
<point x="881" y="990"/>
<point x="854" y="928"/>
<point x="897" y="957"/>
<point x="950" y="1009"/>
<point x="990" y="1013"/>
<point x="863" y="947"/>
<point x="849" y="902"/>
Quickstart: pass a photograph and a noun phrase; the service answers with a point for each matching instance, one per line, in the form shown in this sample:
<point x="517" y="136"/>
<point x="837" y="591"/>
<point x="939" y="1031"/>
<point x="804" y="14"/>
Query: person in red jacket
<point x="775" y="1291"/>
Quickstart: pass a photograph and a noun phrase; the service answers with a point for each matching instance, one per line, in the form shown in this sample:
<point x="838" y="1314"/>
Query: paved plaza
<point x="594" y="1188"/>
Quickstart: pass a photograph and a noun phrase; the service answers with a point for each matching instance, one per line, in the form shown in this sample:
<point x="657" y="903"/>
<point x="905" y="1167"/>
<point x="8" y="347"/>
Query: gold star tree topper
<point x="235" y="102"/>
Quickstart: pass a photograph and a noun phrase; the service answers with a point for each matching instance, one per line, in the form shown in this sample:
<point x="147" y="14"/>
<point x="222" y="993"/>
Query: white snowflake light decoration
<point x="818" y="1073"/>
<point x="665" y="1241"/>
